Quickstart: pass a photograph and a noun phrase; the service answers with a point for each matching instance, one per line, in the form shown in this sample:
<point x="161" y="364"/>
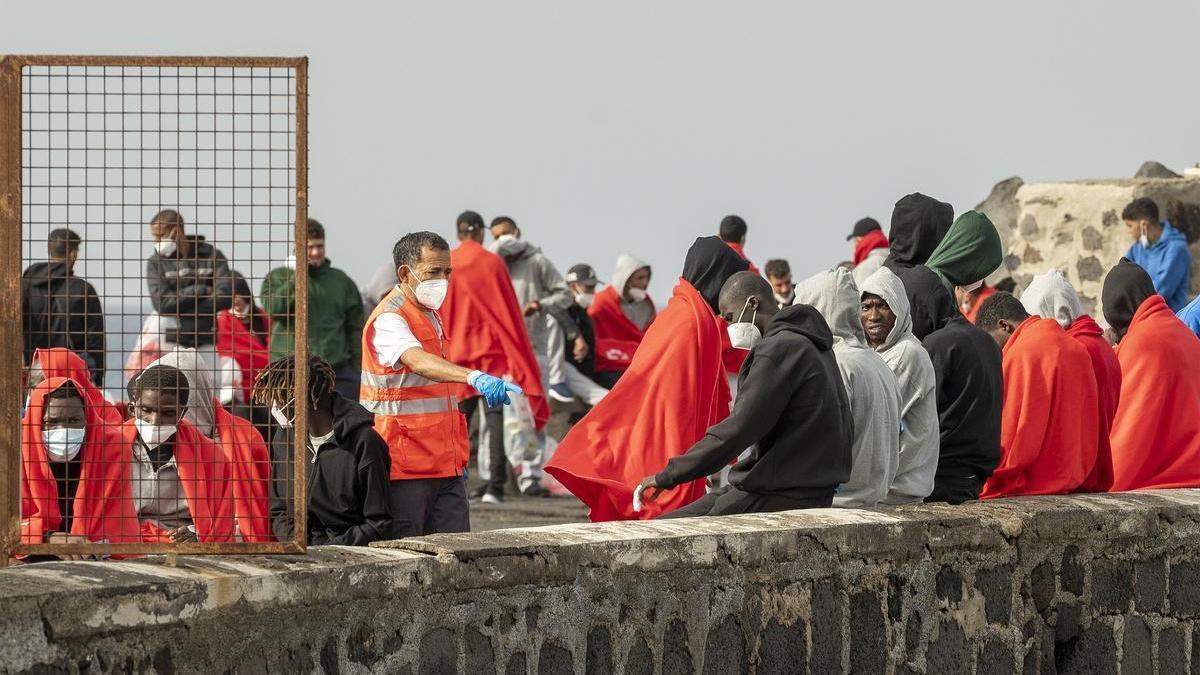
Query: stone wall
<point x="1076" y="227"/>
<point x="1096" y="583"/>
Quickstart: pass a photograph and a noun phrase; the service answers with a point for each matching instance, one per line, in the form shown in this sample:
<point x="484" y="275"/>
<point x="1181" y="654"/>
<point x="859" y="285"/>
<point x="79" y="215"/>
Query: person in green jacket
<point x="335" y="313"/>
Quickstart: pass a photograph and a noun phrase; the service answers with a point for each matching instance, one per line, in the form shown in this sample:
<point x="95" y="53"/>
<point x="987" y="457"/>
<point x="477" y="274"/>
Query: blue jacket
<point x="1169" y="264"/>
<point x="1190" y="315"/>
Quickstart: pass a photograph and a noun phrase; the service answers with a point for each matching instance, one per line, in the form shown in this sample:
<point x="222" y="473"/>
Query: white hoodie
<point x="870" y="386"/>
<point x="1051" y="296"/>
<point x="640" y="313"/>
<point x="919" y="437"/>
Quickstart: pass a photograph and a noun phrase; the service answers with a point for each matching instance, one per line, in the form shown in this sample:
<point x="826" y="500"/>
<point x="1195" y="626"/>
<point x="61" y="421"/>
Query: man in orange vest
<point x="410" y="387"/>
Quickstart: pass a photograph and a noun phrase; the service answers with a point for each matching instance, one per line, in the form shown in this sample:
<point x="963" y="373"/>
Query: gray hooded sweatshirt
<point x="919" y="436"/>
<point x="534" y="278"/>
<point x="870" y="386"/>
<point x="640" y="312"/>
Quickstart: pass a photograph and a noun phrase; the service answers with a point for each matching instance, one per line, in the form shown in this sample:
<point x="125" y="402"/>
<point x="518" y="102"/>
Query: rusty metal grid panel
<point x="152" y="211"/>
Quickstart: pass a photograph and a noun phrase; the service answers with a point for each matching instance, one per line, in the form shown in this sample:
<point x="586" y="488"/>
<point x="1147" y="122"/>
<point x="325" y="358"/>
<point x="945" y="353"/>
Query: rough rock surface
<point x="1085" y="583"/>
<point x="1154" y="169"/>
<point x="1076" y="227"/>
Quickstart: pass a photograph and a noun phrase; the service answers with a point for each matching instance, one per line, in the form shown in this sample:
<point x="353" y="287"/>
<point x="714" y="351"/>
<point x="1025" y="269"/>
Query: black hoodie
<point x="59" y="309"/>
<point x="347" y="482"/>
<point x="192" y="289"/>
<point x="791" y="410"/>
<point x="919" y="223"/>
<point x="708" y="265"/>
<point x="970" y="380"/>
<point x="1126" y="287"/>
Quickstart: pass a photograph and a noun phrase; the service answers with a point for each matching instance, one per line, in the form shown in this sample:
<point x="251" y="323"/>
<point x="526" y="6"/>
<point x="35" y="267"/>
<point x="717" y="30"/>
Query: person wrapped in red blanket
<point x="244" y="336"/>
<point x="74" y="470"/>
<point x="674" y="390"/>
<point x="1051" y="296"/>
<point x="1156" y="432"/>
<point x="181" y="480"/>
<point x="485" y="331"/>
<point x="621" y="314"/>
<point x="62" y="362"/>
<point x="1051" y="411"/>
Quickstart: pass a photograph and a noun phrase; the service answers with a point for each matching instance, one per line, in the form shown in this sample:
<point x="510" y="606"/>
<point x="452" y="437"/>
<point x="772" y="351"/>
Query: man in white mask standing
<point x="413" y="392"/>
<point x="791" y="411"/>
<point x="540" y="290"/>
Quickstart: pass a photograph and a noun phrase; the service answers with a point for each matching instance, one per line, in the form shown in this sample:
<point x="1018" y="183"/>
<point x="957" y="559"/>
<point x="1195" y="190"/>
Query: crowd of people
<point x="897" y="377"/>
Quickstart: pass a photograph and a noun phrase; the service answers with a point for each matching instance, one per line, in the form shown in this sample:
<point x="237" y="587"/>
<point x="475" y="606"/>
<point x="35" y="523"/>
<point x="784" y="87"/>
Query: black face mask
<point x="1126" y="287"/>
<point x="708" y="265"/>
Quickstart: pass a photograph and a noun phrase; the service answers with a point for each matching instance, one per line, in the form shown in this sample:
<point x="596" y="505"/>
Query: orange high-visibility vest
<point x="417" y="417"/>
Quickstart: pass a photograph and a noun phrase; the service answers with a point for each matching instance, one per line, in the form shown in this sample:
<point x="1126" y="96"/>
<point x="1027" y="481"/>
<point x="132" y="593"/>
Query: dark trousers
<point x="955" y="489"/>
<point x="497" y="463"/>
<point x="608" y="379"/>
<point x="423" y="506"/>
<point x="347" y="381"/>
<point x="729" y="501"/>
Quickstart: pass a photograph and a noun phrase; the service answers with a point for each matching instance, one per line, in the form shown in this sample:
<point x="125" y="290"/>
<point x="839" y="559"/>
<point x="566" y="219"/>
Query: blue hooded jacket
<point x="1190" y="316"/>
<point x="1169" y="264"/>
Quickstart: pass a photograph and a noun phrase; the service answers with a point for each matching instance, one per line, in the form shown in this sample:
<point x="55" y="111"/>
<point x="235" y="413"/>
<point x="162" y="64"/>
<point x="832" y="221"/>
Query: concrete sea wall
<point x="1095" y="583"/>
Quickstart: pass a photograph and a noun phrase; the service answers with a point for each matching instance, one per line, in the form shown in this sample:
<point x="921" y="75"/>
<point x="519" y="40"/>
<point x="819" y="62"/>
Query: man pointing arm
<point x="410" y="387"/>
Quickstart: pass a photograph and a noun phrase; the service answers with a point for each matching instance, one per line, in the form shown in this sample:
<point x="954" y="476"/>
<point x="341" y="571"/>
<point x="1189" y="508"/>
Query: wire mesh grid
<point x="160" y="204"/>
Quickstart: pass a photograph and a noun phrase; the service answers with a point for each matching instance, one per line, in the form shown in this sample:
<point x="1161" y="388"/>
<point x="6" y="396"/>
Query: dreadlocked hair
<point x="159" y="378"/>
<point x="277" y="382"/>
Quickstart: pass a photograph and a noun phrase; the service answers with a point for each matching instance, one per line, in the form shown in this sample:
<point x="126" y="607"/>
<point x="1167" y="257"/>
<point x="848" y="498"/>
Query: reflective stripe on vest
<point x="394" y="381"/>
<point x="419" y="406"/>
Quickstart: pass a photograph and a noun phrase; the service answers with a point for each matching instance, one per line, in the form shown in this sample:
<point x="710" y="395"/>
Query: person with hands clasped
<point x="410" y="386"/>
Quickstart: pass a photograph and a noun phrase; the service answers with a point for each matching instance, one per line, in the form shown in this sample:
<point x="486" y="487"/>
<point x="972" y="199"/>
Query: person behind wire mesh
<point x="348" y="461"/>
<point x="61" y="309"/>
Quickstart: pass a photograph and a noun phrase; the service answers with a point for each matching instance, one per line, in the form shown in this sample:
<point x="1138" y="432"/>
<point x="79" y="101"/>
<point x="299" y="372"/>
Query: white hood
<point x="834" y="295"/>
<point x="627" y="264"/>
<point x="888" y="286"/>
<point x="1051" y="296"/>
<point x="201" y="392"/>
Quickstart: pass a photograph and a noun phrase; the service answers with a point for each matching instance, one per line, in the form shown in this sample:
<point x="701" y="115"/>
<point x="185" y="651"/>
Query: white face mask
<point x="240" y="313"/>
<point x="584" y="300"/>
<point x="281" y="418"/>
<point x="1144" y="239"/>
<point x="971" y="288"/>
<point x="63" y="444"/>
<point x="637" y="294"/>
<point x="165" y="247"/>
<point x="744" y="334"/>
<point x="154" y="435"/>
<point x="430" y="293"/>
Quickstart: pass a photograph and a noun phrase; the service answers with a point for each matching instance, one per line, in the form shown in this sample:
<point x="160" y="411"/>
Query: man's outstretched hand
<point x="493" y="389"/>
<point x="646" y="491"/>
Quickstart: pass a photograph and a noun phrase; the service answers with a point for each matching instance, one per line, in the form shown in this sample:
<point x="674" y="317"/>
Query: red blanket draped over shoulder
<point x="617" y="338"/>
<point x="1108" y="382"/>
<point x="1156" y="432"/>
<point x="484" y="325"/>
<point x="62" y="362"/>
<point x="205" y="476"/>
<point x="673" y="391"/>
<point x="250" y="352"/>
<point x="741" y="251"/>
<point x="103" y="506"/>
<point x="250" y="471"/>
<point x="1051" y="412"/>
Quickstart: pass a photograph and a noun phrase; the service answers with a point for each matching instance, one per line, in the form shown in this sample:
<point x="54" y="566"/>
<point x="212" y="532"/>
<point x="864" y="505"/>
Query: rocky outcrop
<point x="1076" y="227"/>
<point x="1154" y="170"/>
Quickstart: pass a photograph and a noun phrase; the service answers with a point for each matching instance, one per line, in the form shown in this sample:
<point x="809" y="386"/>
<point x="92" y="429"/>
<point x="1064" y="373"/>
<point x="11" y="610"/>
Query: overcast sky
<point x="634" y="125"/>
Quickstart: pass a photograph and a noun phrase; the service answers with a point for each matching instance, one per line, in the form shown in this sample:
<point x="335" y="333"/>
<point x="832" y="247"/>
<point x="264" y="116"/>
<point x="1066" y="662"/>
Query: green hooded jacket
<point x="335" y="314"/>
<point x="970" y="251"/>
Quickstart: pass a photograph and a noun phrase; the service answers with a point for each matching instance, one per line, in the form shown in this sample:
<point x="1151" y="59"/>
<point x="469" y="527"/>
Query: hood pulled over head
<point x="919" y="223"/>
<point x="888" y="286"/>
<point x="627" y="264"/>
<point x="1051" y="296"/>
<point x="834" y="295"/>
<point x="708" y="265"/>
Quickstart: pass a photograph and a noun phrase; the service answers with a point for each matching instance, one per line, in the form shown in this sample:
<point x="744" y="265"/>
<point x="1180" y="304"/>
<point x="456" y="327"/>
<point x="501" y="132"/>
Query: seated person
<point x="74" y="475"/>
<point x="1051" y="411"/>
<point x="240" y="442"/>
<point x="791" y="411"/>
<point x="348" y="461"/>
<point x="62" y="362"/>
<point x="181" y="479"/>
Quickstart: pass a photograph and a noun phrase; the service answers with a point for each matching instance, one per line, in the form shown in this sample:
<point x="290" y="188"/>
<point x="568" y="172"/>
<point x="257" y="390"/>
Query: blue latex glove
<point x="493" y="389"/>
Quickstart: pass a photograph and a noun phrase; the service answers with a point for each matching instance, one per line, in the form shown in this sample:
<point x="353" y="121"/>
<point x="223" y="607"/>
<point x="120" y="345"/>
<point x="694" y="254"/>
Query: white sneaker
<point x="490" y="498"/>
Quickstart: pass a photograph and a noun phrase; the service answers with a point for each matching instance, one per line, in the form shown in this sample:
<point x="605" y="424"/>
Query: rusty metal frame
<point x="11" y="264"/>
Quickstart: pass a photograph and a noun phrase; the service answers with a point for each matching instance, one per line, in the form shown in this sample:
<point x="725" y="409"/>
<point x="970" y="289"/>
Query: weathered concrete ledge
<point x="1090" y="583"/>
